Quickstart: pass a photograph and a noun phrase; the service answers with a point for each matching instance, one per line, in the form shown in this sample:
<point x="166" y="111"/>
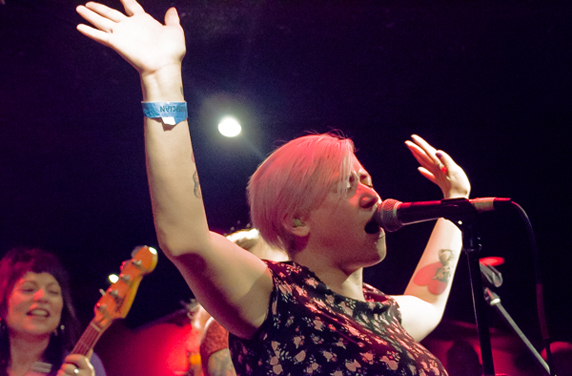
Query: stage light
<point x="229" y="127"/>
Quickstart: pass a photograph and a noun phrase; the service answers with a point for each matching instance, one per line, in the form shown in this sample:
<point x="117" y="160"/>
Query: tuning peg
<point x="102" y="292"/>
<point x="125" y="278"/>
<point x="115" y="295"/>
<point x="134" y="251"/>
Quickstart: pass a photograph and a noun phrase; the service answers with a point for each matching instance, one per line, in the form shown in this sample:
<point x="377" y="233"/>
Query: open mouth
<point x="372" y="227"/>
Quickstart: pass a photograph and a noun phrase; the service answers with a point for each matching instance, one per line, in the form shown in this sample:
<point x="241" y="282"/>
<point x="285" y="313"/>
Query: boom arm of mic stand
<point x="494" y="301"/>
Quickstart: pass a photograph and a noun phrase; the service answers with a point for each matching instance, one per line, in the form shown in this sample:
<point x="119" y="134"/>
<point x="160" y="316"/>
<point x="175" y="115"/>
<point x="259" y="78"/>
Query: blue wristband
<point x="170" y="112"/>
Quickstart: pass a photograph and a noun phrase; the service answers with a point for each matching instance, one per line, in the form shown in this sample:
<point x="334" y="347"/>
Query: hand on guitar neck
<point x="114" y="304"/>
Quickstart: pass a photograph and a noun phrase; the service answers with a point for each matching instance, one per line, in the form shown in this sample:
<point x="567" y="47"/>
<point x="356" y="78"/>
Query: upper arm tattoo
<point x="197" y="186"/>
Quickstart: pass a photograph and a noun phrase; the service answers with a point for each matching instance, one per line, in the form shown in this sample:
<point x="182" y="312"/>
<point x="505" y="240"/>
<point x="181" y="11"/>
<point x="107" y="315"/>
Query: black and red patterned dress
<point x="311" y="330"/>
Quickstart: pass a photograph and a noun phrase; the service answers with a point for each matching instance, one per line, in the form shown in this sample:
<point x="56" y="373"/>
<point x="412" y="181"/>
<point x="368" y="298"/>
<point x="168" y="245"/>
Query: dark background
<point x="489" y="82"/>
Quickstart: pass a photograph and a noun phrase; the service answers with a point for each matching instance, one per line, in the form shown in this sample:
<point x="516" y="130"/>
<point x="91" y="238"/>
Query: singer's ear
<point x="295" y="225"/>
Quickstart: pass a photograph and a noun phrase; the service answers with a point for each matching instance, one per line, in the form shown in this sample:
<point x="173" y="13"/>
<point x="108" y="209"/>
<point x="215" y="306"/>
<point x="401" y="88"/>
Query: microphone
<point x="393" y="214"/>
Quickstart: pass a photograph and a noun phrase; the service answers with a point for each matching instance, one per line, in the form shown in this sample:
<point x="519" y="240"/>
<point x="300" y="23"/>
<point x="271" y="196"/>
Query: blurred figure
<point x="251" y="240"/>
<point x="215" y="353"/>
<point x="463" y="360"/>
<point x="199" y="318"/>
<point x="38" y="324"/>
<point x="527" y="364"/>
<point x="561" y="357"/>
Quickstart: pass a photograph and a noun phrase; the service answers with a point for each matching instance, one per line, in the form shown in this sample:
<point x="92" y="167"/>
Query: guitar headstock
<point x="118" y="298"/>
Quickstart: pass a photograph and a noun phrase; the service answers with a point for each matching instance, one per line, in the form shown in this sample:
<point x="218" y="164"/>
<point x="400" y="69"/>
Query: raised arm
<point x="425" y="297"/>
<point x="232" y="284"/>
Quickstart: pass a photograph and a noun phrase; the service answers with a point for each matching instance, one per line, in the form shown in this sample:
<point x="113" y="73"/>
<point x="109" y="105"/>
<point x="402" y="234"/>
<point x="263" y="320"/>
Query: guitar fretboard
<point x="88" y="339"/>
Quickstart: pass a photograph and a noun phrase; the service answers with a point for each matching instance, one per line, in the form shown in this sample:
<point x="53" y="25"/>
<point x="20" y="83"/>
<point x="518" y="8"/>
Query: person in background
<point x="38" y="324"/>
<point x="561" y="357"/>
<point x="312" y="197"/>
<point x="463" y="360"/>
<point x="215" y="354"/>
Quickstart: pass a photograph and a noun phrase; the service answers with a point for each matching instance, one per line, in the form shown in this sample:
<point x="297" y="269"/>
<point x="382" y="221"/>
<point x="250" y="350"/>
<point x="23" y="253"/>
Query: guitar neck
<point x="88" y="339"/>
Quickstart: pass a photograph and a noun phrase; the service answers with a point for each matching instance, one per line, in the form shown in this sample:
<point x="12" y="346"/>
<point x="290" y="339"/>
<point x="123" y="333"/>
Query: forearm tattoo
<point x="220" y="364"/>
<point x="437" y="275"/>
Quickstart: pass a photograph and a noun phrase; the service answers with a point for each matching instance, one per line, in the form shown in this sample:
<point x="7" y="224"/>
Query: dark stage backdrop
<point x="489" y="82"/>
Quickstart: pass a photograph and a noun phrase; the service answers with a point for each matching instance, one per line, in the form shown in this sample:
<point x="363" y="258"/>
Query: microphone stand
<point x="472" y="248"/>
<point x="493" y="278"/>
<point x="463" y="213"/>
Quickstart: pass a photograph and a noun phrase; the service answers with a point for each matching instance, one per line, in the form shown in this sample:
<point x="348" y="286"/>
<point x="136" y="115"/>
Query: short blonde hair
<point x="252" y="241"/>
<point x="294" y="180"/>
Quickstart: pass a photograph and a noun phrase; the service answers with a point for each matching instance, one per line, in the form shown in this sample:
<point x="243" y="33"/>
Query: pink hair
<point x="294" y="180"/>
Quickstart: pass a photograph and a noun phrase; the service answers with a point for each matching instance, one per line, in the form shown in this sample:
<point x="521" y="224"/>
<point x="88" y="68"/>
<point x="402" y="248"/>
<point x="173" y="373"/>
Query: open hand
<point x="144" y="42"/>
<point x="440" y="168"/>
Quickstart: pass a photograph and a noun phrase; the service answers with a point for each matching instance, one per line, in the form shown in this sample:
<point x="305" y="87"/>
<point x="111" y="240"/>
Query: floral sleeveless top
<point x="311" y="330"/>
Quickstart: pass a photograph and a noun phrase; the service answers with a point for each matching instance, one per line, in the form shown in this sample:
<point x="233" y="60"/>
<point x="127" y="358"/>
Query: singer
<point x="312" y="315"/>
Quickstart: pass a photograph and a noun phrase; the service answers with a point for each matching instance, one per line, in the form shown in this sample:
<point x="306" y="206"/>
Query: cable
<point x="539" y="287"/>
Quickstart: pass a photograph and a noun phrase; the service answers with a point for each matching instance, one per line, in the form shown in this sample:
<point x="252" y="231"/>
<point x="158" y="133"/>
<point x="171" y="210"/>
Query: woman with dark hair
<point x="38" y="324"/>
